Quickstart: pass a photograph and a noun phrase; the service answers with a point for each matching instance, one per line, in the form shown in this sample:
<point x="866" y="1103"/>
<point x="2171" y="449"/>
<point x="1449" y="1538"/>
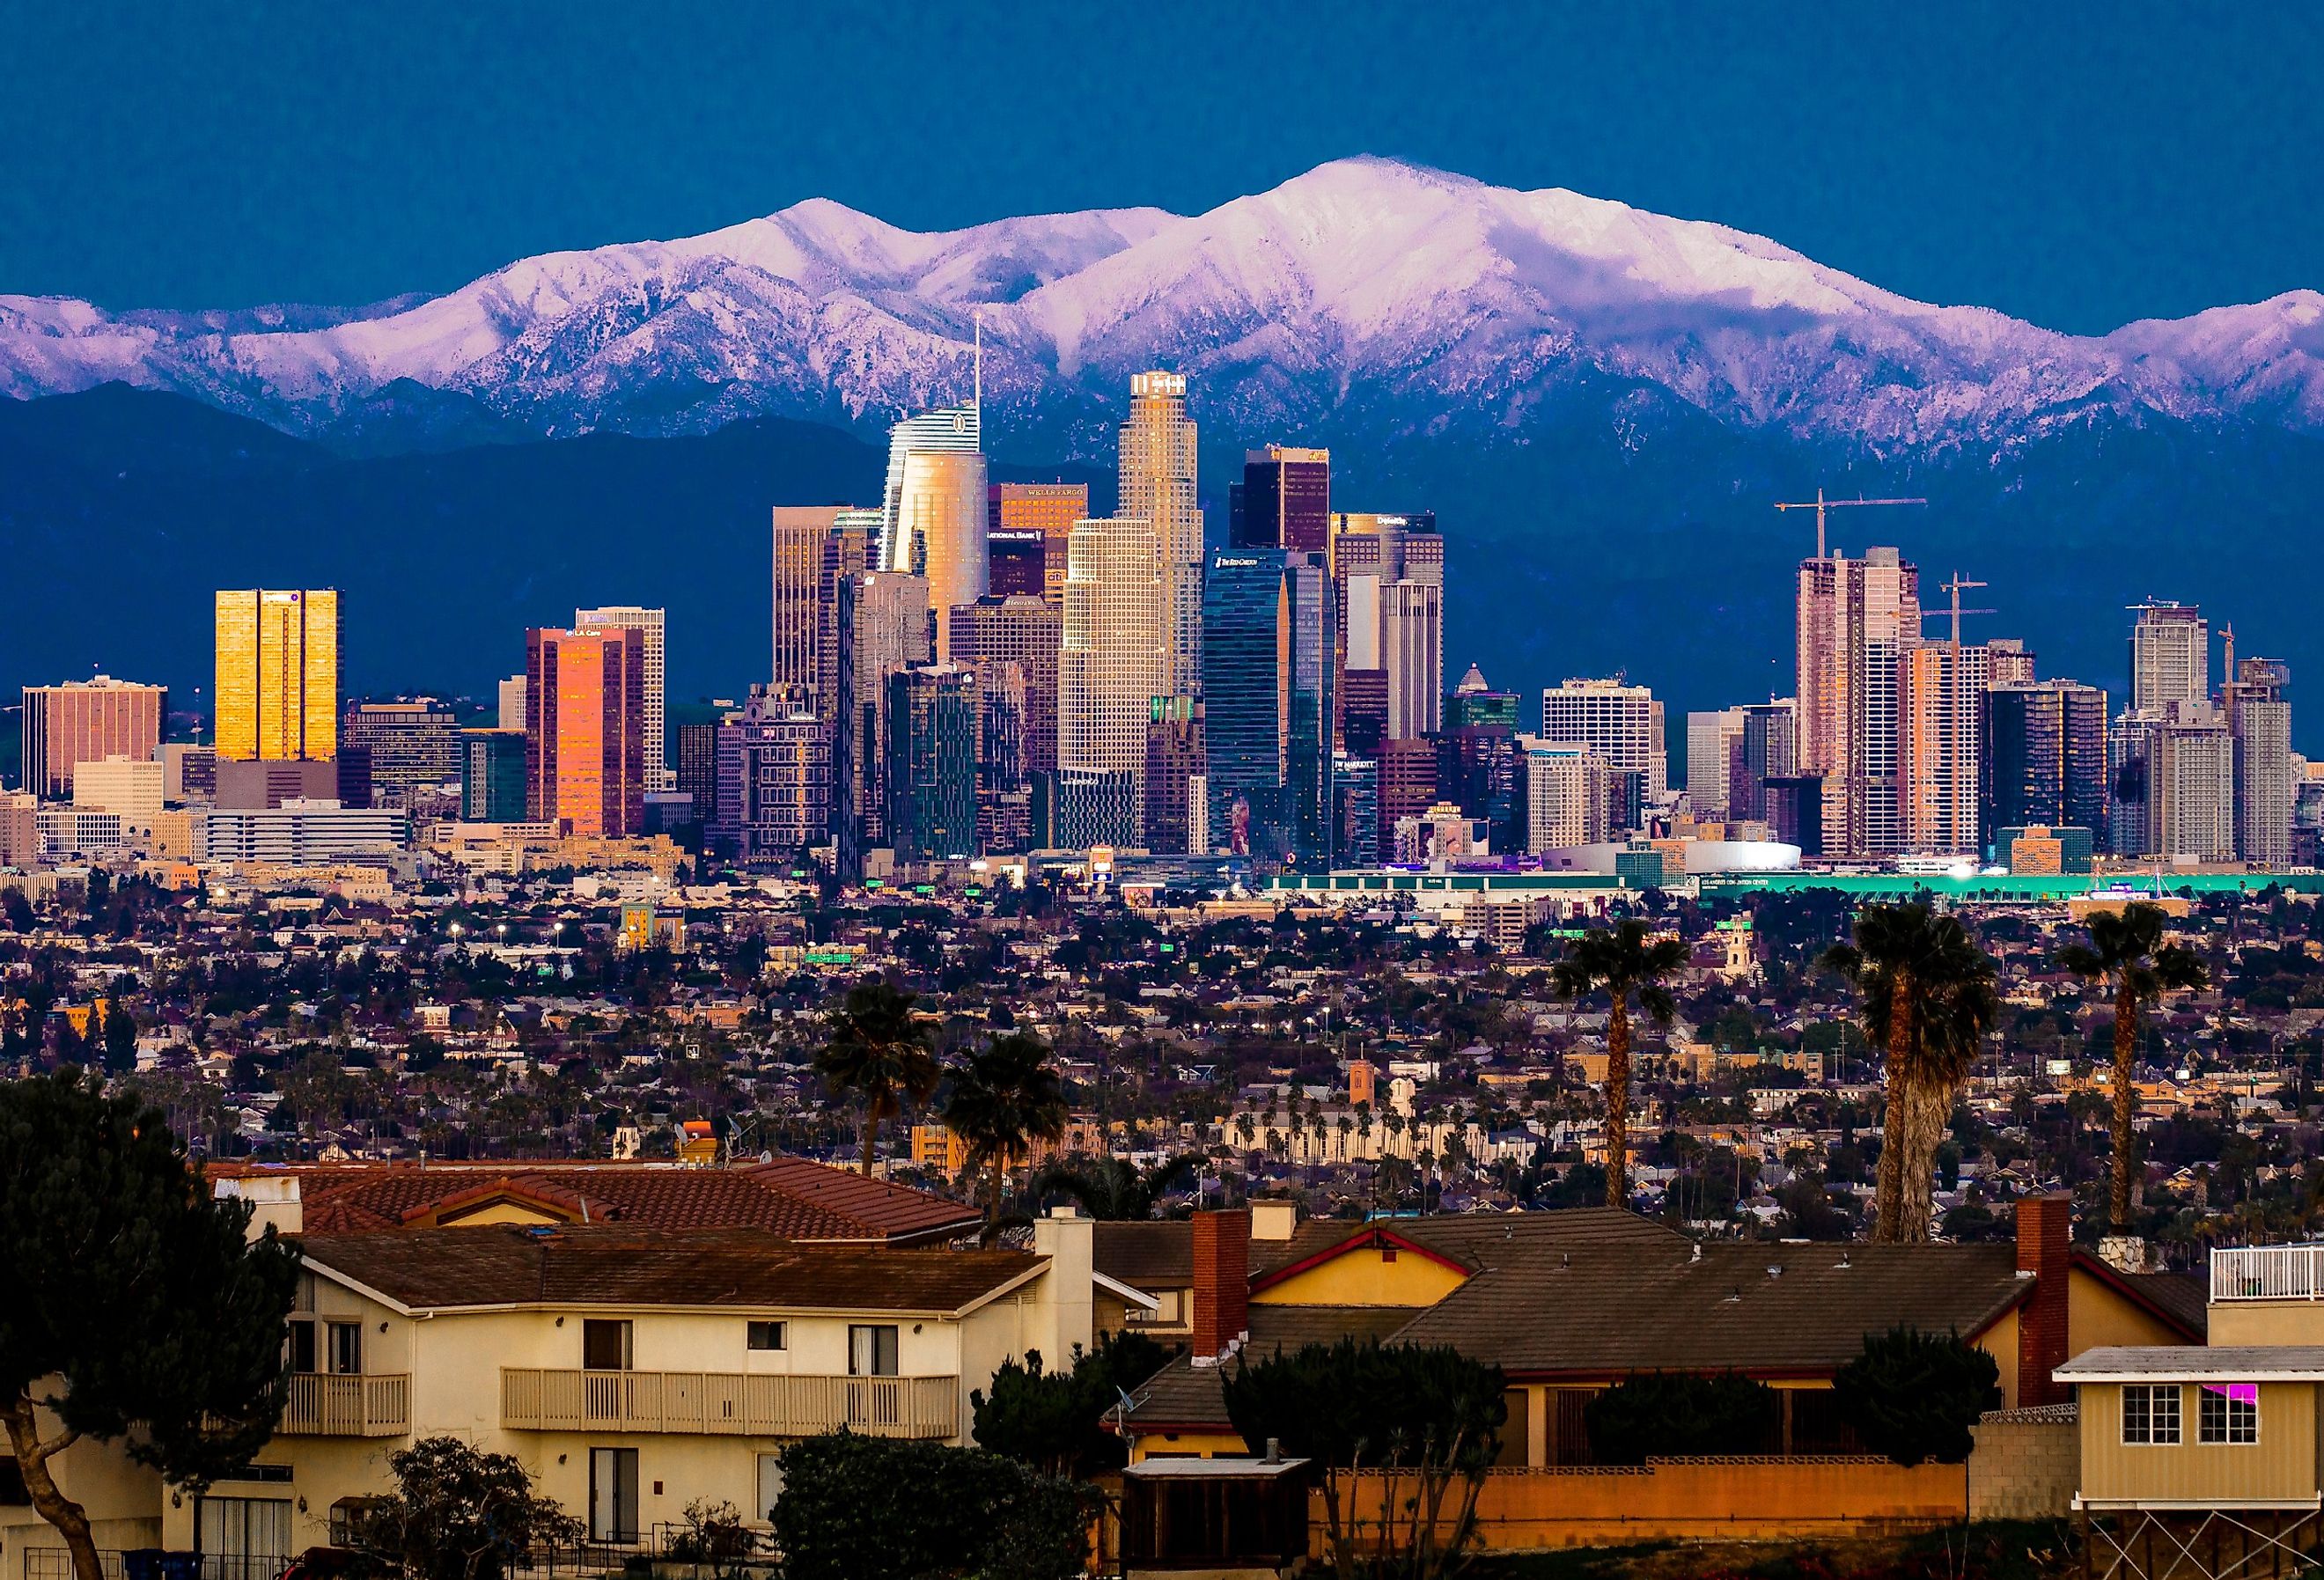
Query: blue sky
<point x="2079" y="165"/>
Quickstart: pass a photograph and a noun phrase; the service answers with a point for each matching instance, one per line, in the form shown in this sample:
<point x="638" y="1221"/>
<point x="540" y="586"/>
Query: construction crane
<point x="1821" y="504"/>
<point x="1956" y="588"/>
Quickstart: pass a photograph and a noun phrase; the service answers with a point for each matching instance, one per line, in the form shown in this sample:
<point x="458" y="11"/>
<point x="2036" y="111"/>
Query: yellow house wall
<point x="122" y="1498"/>
<point x="2267" y="1322"/>
<point x="2281" y="1465"/>
<point x="1180" y="1445"/>
<point x="1366" y="1278"/>
<point x="2000" y="1341"/>
<point x="500" y="1212"/>
<point x="2097" y="1315"/>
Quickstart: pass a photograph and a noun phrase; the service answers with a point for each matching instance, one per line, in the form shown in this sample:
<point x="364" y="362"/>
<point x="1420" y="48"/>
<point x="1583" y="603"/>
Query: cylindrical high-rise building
<point x="1158" y="486"/>
<point x="933" y="510"/>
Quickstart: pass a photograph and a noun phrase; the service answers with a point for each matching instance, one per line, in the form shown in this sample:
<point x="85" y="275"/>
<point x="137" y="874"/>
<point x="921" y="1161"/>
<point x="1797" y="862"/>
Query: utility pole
<point x="1820" y="504"/>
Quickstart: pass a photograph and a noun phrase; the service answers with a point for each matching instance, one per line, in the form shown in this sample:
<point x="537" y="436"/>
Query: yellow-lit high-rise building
<point x="278" y="675"/>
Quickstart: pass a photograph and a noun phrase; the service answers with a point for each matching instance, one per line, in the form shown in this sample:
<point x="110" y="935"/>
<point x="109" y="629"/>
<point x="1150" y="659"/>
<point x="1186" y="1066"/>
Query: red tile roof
<point x="792" y="1196"/>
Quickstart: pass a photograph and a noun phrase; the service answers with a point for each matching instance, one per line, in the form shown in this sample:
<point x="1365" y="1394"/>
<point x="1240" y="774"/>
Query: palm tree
<point x="1622" y="963"/>
<point x="877" y="1050"/>
<point x="2127" y="956"/>
<point x="1926" y="995"/>
<point x="1009" y="1097"/>
<point x="1114" y="1189"/>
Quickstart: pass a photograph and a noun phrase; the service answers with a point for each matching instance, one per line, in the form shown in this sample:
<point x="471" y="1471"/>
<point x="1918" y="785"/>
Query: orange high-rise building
<point x="278" y="676"/>
<point x="87" y="721"/>
<point x="585" y="729"/>
<point x="1050" y="509"/>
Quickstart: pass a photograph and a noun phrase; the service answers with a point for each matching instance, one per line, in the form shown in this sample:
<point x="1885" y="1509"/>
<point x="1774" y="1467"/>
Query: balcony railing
<point x="374" y="1405"/>
<point x="755" y="1405"/>
<point x="2268" y="1272"/>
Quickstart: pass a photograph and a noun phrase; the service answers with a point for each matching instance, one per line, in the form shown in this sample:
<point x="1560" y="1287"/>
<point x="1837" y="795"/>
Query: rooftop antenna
<point x="977" y="389"/>
<point x="1821" y="504"/>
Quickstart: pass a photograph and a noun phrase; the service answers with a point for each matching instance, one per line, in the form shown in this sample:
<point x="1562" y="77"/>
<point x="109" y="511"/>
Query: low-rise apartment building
<point x="632" y="1372"/>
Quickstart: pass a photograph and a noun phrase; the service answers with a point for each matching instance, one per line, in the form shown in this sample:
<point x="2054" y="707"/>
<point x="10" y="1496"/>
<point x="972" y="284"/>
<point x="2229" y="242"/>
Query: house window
<point x="2150" y="1412"/>
<point x="604" y="1346"/>
<point x="298" y="1347"/>
<point x="872" y="1350"/>
<point x="2229" y="1412"/>
<point x="345" y="1348"/>
<point x="769" y="1335"/>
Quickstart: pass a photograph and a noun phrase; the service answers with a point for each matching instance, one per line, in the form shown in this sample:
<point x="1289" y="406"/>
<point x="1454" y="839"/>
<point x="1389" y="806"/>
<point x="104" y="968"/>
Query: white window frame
<point x="2204" y="1393"/>
<point x="2155" y="1393"/>
<point x="782" y="1334"/>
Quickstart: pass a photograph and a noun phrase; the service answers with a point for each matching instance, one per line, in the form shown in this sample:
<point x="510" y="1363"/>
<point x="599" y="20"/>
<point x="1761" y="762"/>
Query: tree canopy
<point x="139" y="1312"/>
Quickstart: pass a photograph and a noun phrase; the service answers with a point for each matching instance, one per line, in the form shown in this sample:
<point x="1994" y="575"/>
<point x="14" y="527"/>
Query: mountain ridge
<point x="1365" y="288"/>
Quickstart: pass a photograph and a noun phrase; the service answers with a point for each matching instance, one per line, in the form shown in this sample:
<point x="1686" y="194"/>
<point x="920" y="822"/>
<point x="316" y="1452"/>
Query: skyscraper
<point x="1109" y="668"/>
<point x="1019" y="511"/>
<point x="2190" y="784"/>
<point x="1388" y="574"/>
<point x="492" y="776"/>
<point x="1712" y="740"/>
<point x="1315" y="640"/>
<point x="1173" y="765"/>
<point x="1246" y="695"/>
<point x="410" y="743"/>
<point x="883" y="627"/>
<point x="585" y="729"/>
<point x="1158" y="487"/>
<point x="1017" y="563"/>
<point x="1939" y="723"/>
<point x="278" y="675"/>
<point x="1004" y="775"/>
<point x="512" y="704"/>
<point x="2260" y="719"/>
<point x="651" y="626"/>
<point x="1621" y="723"/>
<point x="2044" y="762"/>
<point x="932" y="727"/>
<point x="772" y="778"/>
<point x="2169" y="656"/>
<point x="934" y="510"/>
<point x="1569" y="793"/>
<point x="1027" y="632"/>
<point x="1285" y="501"/>
<point x="1768" y="749"/>
<point x="87" y="721"/>
<point x="799" y="537"/>
<point x="852" y="545"/>
<point x="1855" y="619"/>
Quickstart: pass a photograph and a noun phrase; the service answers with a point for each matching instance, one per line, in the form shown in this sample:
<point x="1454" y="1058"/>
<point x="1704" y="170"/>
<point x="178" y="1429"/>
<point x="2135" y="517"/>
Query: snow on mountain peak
<point x="1366" y="278"/>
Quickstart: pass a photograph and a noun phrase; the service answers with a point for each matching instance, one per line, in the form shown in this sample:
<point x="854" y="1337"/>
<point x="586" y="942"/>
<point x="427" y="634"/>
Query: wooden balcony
<point x="374" y="1405"/>
<point x="755" y="1405"/>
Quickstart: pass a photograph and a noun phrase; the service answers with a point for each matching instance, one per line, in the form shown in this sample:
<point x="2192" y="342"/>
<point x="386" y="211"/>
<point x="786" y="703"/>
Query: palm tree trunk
<point x="871" y="1137"/>
<point x="992" y="1219"/>
<point x="2125" y="1056"/>
<point x="1618" y="1106"/>
<point x="1888" y="1186"/>
<point x="1928" y="1110"/>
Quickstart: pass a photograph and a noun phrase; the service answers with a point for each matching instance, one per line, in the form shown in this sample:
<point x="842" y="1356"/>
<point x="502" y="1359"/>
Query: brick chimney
<point x="1221" y="1282"/>
<point x="2044" y="1249"/>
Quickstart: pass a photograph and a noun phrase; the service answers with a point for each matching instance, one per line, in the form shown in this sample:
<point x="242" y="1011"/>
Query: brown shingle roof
<point x="1606" y="1311"/>
<point x="1182" y="1394"/>
<point x="798" y="1198"/>
<point x="1147" y="1255"/>
<point x="509" y="1265"/>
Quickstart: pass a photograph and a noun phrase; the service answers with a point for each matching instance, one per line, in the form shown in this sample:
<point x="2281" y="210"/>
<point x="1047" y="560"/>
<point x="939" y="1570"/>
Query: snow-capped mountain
<point x="1365" y="293"/>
